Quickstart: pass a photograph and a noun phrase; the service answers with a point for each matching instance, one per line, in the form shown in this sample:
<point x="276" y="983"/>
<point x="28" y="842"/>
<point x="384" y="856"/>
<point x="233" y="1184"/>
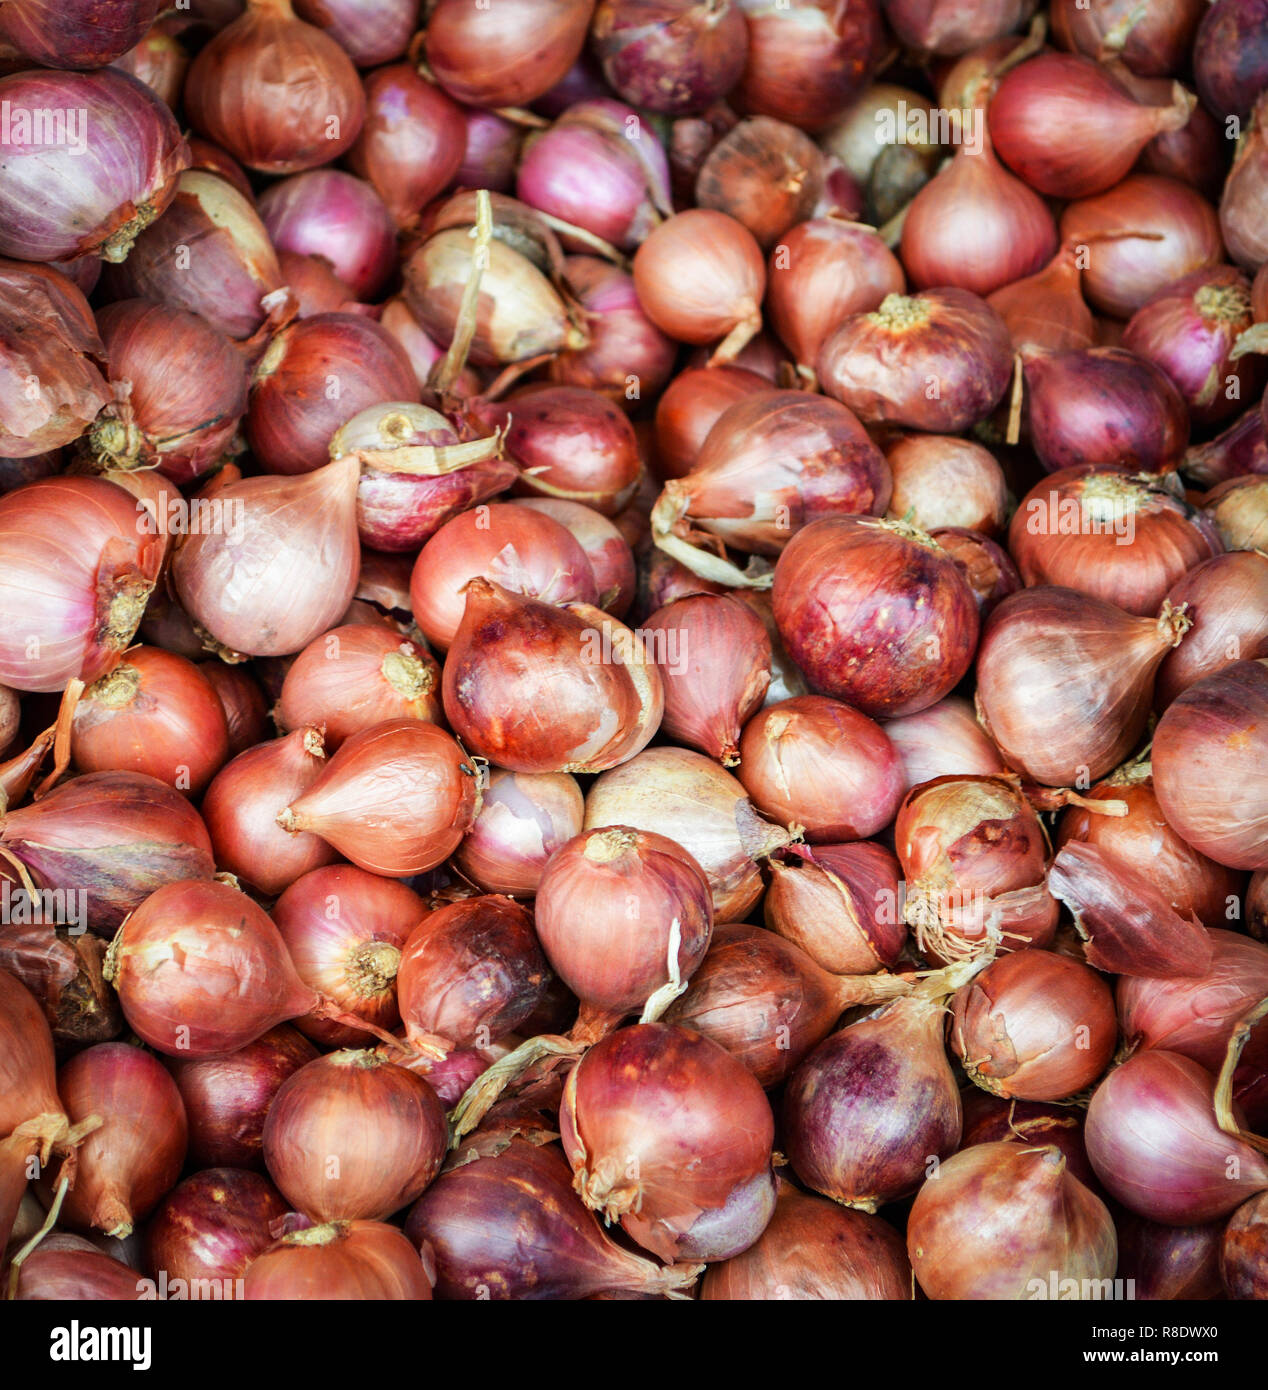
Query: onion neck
<point x="124" y="612"/>
<point x="372" y="968"/>
<point x="1222" y="303"/>
<point x="407" y="675"/>
<point x="117" y="442"/>
<point x="1173" y="623"/>
<point x="326" y="1234"/>
<point x="118" y="689"/>
<point x="117" y="245"/>
<point x="902" y="313"/>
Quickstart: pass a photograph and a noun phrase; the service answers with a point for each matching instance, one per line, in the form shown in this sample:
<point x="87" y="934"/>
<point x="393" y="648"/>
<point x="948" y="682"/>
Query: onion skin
<point x="1238" y="509"/>
<point x="1122" y="275"/>
<point x="941" y="741"/>
<point x="846" y="587"/>
<point x="714" y="656"/>
<point x="988" y="1119"/>
<point x="227" y="1096"/>
<point x="945" y="28"/>
<point x="1153" y="1140"/>
<point x="201" y="970"/>
<point x="354" y="677"/>
<point x="352" y="1261"/>
<point x="984" y="563"/>
<point x="210" y="1227"/>
<point x="998" y="1219"/>
<point x="126" y="1166"/>
<point x="371" y="34"/>
<point x="1126" y="541"/>
<point x="1242" y="1263"/>
<point x="819" y="764"/>
<point x="766" y="174"/>
<point x="1193" y="884"/>
<point x="64" y="973"/>
<point x="1230" y="56"/>
<point x="1170" y="1263"/>
<point x="276" y="125"/>
<point x="641" y="897"/>
<point x="1154" y="44"/>
<point x="509" y="1226"/>
<point x="1065" y="682"/>
<point x="524" y="818"/>
<point x="608" y="696"/>
<point x="1209" y="765"/>
<point x="116" y="836"/>
<point x="345" y="930"/>
<point x="396" y="799"/>
<point x="1047" y="310"/>
<point x="1034" y="1026"/>
<point x="66" y="1267"/>
<point x="130" y="152"/>
<point x="78" y="34"/>
<point x="353" y="1137"/>
<point x="941" y="481"/>
<point x="154" y="714"/>
<point x="688" y="409"/>
<point x="609" y="553"/>
<point x="693" y="1120"/>
<point x="865" y="1111"/>
<point x="1227" y="598"/>
<point x="814" y="1250"/>
<point x="948" y="335"/>
<point x="29" y="1099"/>
<point x="471" y="971"/>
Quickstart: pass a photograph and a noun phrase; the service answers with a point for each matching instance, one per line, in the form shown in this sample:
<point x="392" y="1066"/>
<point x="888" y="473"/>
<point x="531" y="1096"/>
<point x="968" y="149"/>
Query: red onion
<point x="943" y="740"/>
<point x="985" y="565"/>
<point x="278" y="94"/>
<point x="1230" y="56"/>
<point x="329" y="213"/>
<point x="156" y="714"/>
<point x="68" y="1267"/>
<point x="689" y="408"/>
<point x="1177" y="233"/>
<point x="491" y="152"/>
<point x="373" y="33"/>
<point x="814" y="1250"/>
<point x="1241" y="1252"/>
<point x="1152" y="42"/>
<point x="278" y="563"/>
<point x="941" y="481"/>
<point x="668" y="1133"/>
<point x="507" y="59"/>
<point x="808" y="59"/>
<point x="227" y="1096"/>
<point x="880" y="364"/>
<point x="988" y="1119"/>
<point x="1238" y="510"/>
<point x="76" y="33"/>
<point x="674" y="56"/>
<point x="766" y="174"/>
<point x="1209" y="767"/>
<point x="30" y="1108"/>
<point x="113" y="155"/>
<point x="1047" y="310"/>
<point x="63" y="972"/>
<point x="845" y="586"/>
<point x="158" y="58"/>
<point x="1065" y="681"/>
<point x="867" y="1110"/>
<point x="50" y="340"/>
<point x="499" y="658"/>
<point x="999" y="1221"/>
<point x="606" y="548"/>
<point x="1154" y="1141"/>
<point x="114" y="837"/>
<point x="524" y="818"/>
<point x="1227" y="599"/>
<point x="946" y="27"/>
<point x="1103" y="129"/>
<point x="208" y="1230"/>
<point x="509" y="1226"/>
<point x="351" y="1261"/>
<point x="233" y="280"/>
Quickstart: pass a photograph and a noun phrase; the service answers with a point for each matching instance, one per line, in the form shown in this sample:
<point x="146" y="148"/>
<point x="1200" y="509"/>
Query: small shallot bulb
<point x="940" y="480"/>
<point x="1034" y="1026"/>
<point x="606" y="697"/>
<point x="623" y="914"/>
<point x="821" y="765"/>
<point x="524" y="818"/>
<point x="714" y="659"/>
<point x="396" y="799"/>
<point x="1003" y="1221"/>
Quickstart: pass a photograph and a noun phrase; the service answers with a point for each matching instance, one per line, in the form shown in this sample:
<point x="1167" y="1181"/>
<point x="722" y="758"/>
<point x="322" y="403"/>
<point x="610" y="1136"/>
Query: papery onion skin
<point x="126" y="1166"/>
<point x="524" y="818"/>
<point x="695" y="1121"/>
<point x="64" y="973"/>
<point x="210" y="1227"/>
<point x="1210" y="765"/>
<point x="1047" y="310"/>
<point x="846" y="588"/>
<point x="1227" y="598"/>
<point x="609" y="553"/>
<point x="227" y="1096"/>
<point x="508" y="1225"/>
<point x="1126" y="541"/>
<point x="345" y="930"/>
<point x="372" y="34"/>
<point x="946" y="335"/>
<point x="1242" y="1263"/>
<point x="988" y="1119"/>
<point x="814" y="1250"/>
<point x="396" y="799"/>
<point x="1152" y="1137"/>
<point x="766" y="174"/>
<point x="999" y="1219"/>
<point x="1170" y="1263"/>
<point x="356" y="676"/>
<point x="115" y="837"/>
<point x="131" y="153"/>
<point x="201" y="970"/>
<point x="1238" y="509"/>
<point x="1122" y="274"/>
<point x="617" y="961"/>
<point x="283" y="569"/>
<point x="945" y="28"/>
<point x="1065" y="681"/>
<point x="275" y="124"/>
<point x="382" y="1126"/>
<point x="69" y="1267"/>
<point x="1034" y="1026"/>
<point x="820" y="764"/>
<point x="352" y="1261"/>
